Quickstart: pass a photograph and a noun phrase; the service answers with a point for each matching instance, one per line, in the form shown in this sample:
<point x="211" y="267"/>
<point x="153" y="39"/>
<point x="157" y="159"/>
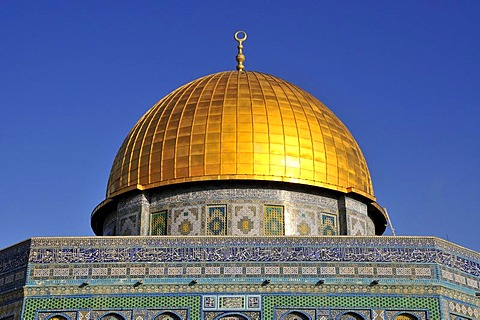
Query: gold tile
<point x="276" y="130"/>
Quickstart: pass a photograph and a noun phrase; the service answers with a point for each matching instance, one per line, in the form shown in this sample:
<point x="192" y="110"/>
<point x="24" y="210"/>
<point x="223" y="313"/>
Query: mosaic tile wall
<point x="417" y="250"/>
<point x="274" y="307"/>
<point x="458" y="310"/>
<point x="13" y="266"/>
<point x="359" y="225"/>
<point x="11" y="304"/>
<point x="11" y="297"/>
<point x="357" y="222"/>
<point x="158" y="223"/>
<point x="244" y="211"/>
<point x="91" y="308"/>
<point x="127" y="220"/>
<point x="378" y="301"/>
<point x="216" y="220"/>
<point x="229" y="274"/>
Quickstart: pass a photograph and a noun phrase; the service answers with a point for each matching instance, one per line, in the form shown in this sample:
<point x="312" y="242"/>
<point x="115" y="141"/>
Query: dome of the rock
<point x="239" y="125"/>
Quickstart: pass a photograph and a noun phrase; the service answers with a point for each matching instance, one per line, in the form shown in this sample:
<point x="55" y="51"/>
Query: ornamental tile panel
<point x="290" y="270"/>
<point x="174" y="271"/>
<point x="272" y="270"/>
<point x="253" y="270"/>
<point x="328" y="270"/>
<point x="309" y="270"/>
<point x="212" y="270"/>
<point x="460" y="279"/>
<point x="472" y="283"/>
<point x="346" y="270"/>
<point x="233" y="270"/>
<point x="156" y="271"/>
<point x="365" y="270"/>
<point x="137" y="271"/>
<point x="159" y="223"/>
<point x="403" y="271"/>
<point x="38" y="273"/>
<point x="447" y="275"/>
<point x="245" y="220"/>
<point x="216" y="220"/>
<point x="61" y="272"/>
<point x="398" y="250"/>
<point x="118" y="271"/>
<point x="273" y="220"/>
<point x="424" y="272"/>
<point x="99" y="271"/>
<point x="187" y="221"/>
<point x="80" y="272"/>
<point x="194" y="271"/>
<point x="328" y="224"/>
<point x="304" y="221"/>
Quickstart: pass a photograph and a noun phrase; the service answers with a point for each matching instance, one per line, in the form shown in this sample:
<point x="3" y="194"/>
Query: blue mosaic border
<point x="252" y="249"/>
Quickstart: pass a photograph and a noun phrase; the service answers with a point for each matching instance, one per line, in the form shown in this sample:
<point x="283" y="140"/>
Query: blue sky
<point x="404" y="76"/>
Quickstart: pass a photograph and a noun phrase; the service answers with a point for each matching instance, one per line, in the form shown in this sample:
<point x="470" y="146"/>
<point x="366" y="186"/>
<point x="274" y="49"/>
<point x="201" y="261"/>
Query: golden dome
<point x="240" y="125"/>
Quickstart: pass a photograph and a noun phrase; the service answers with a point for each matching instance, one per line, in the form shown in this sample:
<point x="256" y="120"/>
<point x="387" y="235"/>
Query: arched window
<point x="167" y="316"/>
<point x="112" y="316"/>
<point x="232" y="317"/>
<point x="405" y="316"/>
<point x="57" y="317"/>
<point x="350" y="316"/>
<point x="295" y="315"/>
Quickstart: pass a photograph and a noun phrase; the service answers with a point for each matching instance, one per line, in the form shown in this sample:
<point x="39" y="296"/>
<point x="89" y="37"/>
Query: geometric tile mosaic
<point x="462" y="309"/>
<point x="274" y="220"/>
<point x="11" y="311"/>
<point x="454" y="276"/>
<point x="353" y="302"/>
<point x="406" y="315"/>
<point x="128" y="225"/>
<point x="57" y="316"/>
<point x="216" y="221"/>
<point x="58" y="266"/>
<point x="355" y="205"/>
<point x="110" y="228"/>
<point x="187" y="221"/>
<point x="304" y="221"/>
<point x="378" y="314"/>
<point x="245" y="270"/>
<point x="245" y="220"/>
<point x="356" y="226"/>
<point x="328" y="225"/>
<point x="250" y="249"/>
<point x="158" y="225"/>
<point x="232" y="302"/>
<point x="296" y="314"/>
<point x="447" y="275"/>
<point x="459" y="278"/>
<point x="99" y="303"/>
<point x="228" y="315"/>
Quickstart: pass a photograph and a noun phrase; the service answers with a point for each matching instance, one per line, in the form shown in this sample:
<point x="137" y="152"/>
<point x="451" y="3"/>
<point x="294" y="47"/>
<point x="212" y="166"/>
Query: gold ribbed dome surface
<point x="239" y="125"/>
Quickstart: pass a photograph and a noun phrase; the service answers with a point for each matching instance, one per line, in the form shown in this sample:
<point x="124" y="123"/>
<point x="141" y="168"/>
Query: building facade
<point x="239" y="196"/>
